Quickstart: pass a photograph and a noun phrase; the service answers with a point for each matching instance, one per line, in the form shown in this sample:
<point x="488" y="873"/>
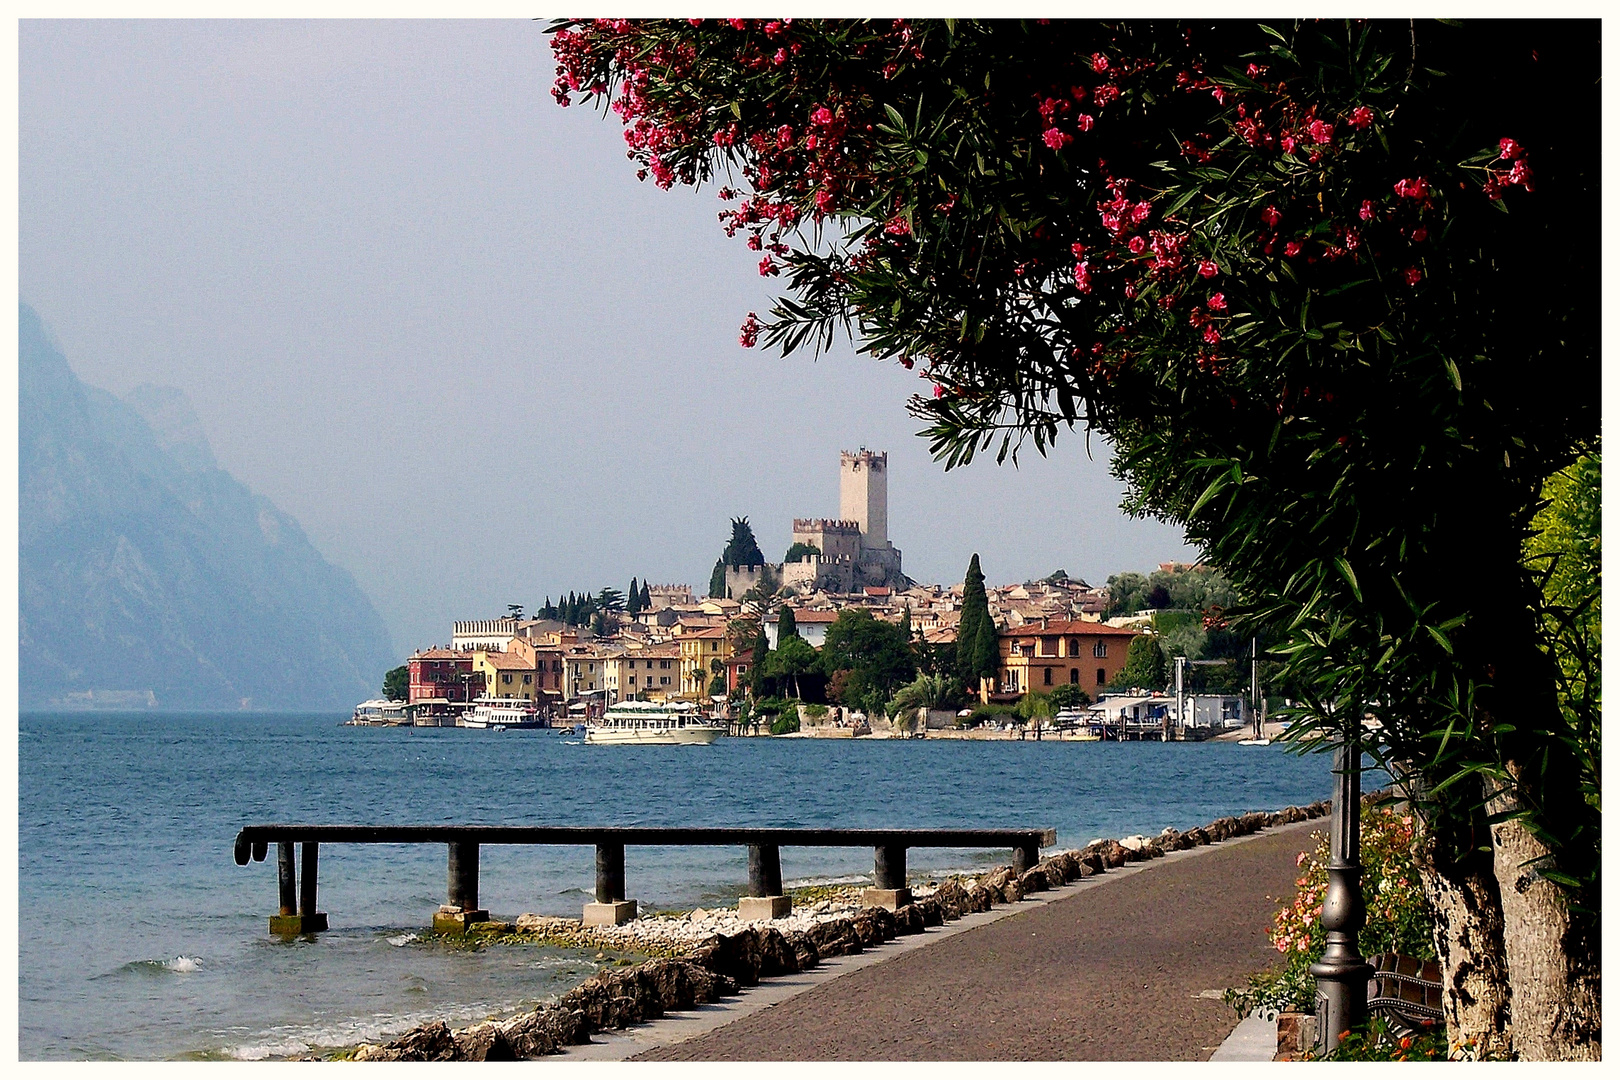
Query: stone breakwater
<point x="701" y="957"/>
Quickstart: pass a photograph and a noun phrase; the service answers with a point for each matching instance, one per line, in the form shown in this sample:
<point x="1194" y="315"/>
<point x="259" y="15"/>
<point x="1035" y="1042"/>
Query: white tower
<point x="863" y="494"/>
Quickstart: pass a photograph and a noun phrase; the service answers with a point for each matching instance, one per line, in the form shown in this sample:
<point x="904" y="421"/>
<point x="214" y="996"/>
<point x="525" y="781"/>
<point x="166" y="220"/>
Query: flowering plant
<point x="1398" y="918"/>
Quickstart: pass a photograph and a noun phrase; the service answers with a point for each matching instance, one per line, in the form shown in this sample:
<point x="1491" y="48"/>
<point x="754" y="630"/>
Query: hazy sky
<point x="436" y="318"/>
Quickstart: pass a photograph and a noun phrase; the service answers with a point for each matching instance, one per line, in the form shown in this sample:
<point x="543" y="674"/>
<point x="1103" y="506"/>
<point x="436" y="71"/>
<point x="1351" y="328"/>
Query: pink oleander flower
<point x="1217" y="302"/>
<point x="1137" y="245"/>
<point x="1207" y="269"/>
<point x="1056" y="139"/>
<point x="1211" y="335"/>
<point x="1360" y="116"/>
<point x="1082" y="277"/>
<point x="1419" y="235"/>
<point x="1413" y="275"/>
<point x="1367" y="210"/>
<point x="1084" y="121"/>
<point x="1509" y="149"/>
<point x="1321" y="133"/>
<point x="1291" y="248"/>
<point x="750" y="332"/>
<point x="822" y="115"/>
<point x="1271" y="215"/>
<point x="939" y="391"/>
<point x="1099" y="62"/>
<point x="1415" y="188"/>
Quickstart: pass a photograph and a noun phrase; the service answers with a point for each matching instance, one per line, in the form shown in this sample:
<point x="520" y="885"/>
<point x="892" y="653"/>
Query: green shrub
<point x="990" y="714"/>
<point x="815" y="712"/>
<point x="786" y="723"/>
<point x="1398" y="918"/>
<point x="771" y="706"/>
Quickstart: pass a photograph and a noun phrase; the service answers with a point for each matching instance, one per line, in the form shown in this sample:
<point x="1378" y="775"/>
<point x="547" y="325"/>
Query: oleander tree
<point x="1330" y="291"/>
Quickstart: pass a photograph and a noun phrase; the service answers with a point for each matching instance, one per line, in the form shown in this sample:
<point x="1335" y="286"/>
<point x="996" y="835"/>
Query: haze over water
<point x="144" y="940"/>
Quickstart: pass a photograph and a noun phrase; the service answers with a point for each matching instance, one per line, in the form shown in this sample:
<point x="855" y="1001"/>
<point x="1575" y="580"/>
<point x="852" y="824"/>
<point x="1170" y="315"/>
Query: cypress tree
<point x="986" y="654"/>
<point x="717" y="580"/>
<point x="786" y="625"/>
<point x="632" y="599"/>
<point x="646" y="597"/>
<point x="975" y="612"/>
<point x="756" y="671"/>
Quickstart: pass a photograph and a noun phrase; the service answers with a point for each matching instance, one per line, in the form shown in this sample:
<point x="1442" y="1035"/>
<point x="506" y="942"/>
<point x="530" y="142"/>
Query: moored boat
<point x="501" y="713"/>
<point x="654" y="724"/>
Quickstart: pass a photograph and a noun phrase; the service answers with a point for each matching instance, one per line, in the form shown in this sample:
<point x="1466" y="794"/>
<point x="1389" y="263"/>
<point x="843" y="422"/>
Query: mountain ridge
<point x="146" y="569"/>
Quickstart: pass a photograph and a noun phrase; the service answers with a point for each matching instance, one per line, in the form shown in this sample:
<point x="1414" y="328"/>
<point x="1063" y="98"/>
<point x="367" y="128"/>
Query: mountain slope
<point x="144" y="566"/>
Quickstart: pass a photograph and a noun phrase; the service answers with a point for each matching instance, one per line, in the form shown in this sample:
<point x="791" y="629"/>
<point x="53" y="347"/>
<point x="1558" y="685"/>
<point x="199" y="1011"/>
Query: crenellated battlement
<point x="826" y="525"/>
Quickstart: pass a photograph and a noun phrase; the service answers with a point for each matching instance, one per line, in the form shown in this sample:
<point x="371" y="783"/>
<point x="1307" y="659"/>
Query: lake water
<point x="142" y="939"/>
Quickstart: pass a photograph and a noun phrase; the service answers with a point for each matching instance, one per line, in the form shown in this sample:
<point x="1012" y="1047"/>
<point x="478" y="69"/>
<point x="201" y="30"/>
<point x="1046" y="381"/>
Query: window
<point x="506" y="677"/>
<point x="1100" y="649"/>
<point x="664" y="664"/>
<point x="1074" y="646"/>
<point x="663" y="680"/>
<point x="1049" y="646"/>
<point x="1074" y="675"/>
<point x="1048" y="676"/>
<point x="527" y="679"/>
<point x="1102" y="677"/>
<point x="632" y="680"/>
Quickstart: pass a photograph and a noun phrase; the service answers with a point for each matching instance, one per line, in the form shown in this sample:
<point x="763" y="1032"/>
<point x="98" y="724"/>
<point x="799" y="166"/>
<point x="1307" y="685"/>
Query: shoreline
<point x="699" y="957"/>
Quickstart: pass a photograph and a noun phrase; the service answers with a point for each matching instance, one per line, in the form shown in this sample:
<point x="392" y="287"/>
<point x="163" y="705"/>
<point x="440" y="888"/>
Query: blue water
<point x="141" y="938"/>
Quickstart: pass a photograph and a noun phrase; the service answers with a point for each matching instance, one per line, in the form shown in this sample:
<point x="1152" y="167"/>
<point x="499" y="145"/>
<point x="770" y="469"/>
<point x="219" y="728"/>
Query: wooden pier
<point x="299" y="912"/>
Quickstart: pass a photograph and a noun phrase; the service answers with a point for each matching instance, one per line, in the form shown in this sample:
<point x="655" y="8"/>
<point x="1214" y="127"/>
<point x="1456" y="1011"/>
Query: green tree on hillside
<point x="1069" y="696"/>
<point x="742" y="549"/>
<point x="1145" y="666"/>
<point x="799" y="552"/>
<point x="975" y="614"/>
<point x="632" y="599"/>
<point x="717" y="579"/>
<point x="877" y="658"/>
<point x="787" y="626"/>
<point x="792" y="657"/>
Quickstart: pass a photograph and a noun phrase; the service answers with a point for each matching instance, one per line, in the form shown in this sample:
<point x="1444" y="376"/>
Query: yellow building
<point x="652" y="673"/>
<point x="701" y="651"/>
<point x="514" y="673"/>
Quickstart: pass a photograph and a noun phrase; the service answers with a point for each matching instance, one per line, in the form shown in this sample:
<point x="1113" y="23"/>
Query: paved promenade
<point x="1120" y="970"/>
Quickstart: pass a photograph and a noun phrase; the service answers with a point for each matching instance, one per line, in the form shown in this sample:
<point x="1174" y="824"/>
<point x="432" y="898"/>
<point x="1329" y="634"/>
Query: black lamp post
<point x="1342" y="973"/>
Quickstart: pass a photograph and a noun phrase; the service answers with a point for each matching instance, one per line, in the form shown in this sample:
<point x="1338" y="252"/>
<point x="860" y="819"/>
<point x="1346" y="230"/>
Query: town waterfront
<point x="143" y="940"/>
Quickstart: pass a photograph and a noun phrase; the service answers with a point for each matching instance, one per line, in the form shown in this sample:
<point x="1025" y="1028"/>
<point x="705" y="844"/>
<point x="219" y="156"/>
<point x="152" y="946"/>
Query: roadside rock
<point x="1011" y="892"/>
<point x="804" y="949"/>
<point x="950" y="897"/>
<point x="932" y="915"/>
<point x="545" y="1031"/>
<point x="835" y="937"/>
<point x="1196" y="836"/>
<point x="1291" y="814"/>
<point x="1032" y="880"/>
<point x="484" y="1042"/>
<point x="979" y="898"/>
<point x="908" y="920"/>
<point x="776" y="956"/>
<point x="430" y="1042"/>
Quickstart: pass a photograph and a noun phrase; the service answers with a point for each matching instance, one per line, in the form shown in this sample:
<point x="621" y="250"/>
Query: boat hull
<point x="686" y="736"/>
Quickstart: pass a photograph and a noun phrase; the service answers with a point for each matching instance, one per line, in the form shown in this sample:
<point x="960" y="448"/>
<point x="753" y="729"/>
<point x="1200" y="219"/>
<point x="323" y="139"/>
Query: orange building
<point x="1046" y="654"/>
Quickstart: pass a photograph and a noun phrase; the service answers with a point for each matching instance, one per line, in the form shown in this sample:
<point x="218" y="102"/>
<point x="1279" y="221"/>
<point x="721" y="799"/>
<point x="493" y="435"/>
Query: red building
<point x="443" y="675"/>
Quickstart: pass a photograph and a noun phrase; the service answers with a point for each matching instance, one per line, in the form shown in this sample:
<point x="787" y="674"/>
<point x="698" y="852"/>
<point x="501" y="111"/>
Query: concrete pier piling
<point x="765" y="899"/>
<point x="888" y="878"/>
<point x="460" y="909"/>
<point x="297" y="912"/>
<point x="611" y="908"/>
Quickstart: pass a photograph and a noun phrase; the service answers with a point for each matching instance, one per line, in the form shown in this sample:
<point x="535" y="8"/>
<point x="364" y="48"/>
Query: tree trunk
<point x="1552" y="948"/>
<point x="1459" y="882"/>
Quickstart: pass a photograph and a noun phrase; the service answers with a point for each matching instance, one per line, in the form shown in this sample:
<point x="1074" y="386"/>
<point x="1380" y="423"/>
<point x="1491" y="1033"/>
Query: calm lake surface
<point x="142" y="939"/>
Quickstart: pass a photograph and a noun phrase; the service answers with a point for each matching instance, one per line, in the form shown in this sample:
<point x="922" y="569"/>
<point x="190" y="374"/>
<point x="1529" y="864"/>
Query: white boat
<point x="501" y="713"/>
<point x="381" y="712"/>
<point x="1254" y="742"/>
<point x="654" y="724"/>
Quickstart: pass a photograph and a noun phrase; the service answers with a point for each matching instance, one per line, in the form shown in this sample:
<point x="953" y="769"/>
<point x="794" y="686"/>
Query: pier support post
<point x="1025" y="856"/>
<point x="303" y="918"/>
<point x="1342" y="973"/>
<point x="764" y="899"/>
<point x="611" y="907"/>
<point x="888" y="878"/>
<point x="461" y="910"/>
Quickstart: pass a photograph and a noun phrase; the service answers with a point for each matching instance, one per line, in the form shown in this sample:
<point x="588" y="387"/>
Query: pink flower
<point x="898" y="226"/>
<point x="824" y="200"/>
<point x="1056" y="139"/>
<point x="754" y="242"/>
<point x="1099" y="62"/>
<point x="1419" y="235"/>
<point x="1366" y="210"/>
<point x="738" y="24"/>
<point x="1084" y="121"/>
<point x="1520" y="174"/>
<point x="1207" y="269"/>
<point x="768" y="268"/>
<point x="1288" y="143"/>
<point x="1360" y="116"/>
<point x="1212" y="336"/>
<point x="822" y="115"/>
<point x="1509" y="149"/>
<point x="1082" y="277"/>
<point x="1271" y="215"/>
<point x="1413" y="275"/>
<point x="1137" y="245"/>
<point x="1130" y="290"/>
<point x="780" y="58"/>
<point x="1415" y="188"/>
<point x="1255" y="71"/>
<point x="1078" y="250"/>
<point x="1139" y="212"/>
<point x="1291" y="248"/>
<point x="939" y="391"/>
<point x="750" y="332"/>
<point x="784" y="137"/>
<point x="1217" y="302"/>
<point x="1321" y="133"/>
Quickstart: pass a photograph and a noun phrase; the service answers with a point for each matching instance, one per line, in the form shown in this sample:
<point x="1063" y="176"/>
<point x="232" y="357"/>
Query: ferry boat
<point x="651" y="723"/>
<point x="380" y="712"/>
<point x="502" y="713"/>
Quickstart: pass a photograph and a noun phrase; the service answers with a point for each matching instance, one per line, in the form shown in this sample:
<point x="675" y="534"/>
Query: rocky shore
<point x="703" y="956"/>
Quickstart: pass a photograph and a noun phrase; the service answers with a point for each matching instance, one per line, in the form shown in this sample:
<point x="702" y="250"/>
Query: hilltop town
<point x="835" y="635"/>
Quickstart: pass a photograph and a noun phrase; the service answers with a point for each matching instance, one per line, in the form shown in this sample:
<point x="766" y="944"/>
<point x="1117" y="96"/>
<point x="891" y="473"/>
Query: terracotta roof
<point x="1076" y="628"/>
<point x="507" y="661"/>
<point x="707" y="632"/>
<point x="815" y="616"/>
<point x="877" y="590"/>
<point x="438" y="653"/>
<point x="744" y="657"/>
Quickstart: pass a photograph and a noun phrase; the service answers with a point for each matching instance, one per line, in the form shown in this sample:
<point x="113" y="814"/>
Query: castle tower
<point x="863" y="494"/>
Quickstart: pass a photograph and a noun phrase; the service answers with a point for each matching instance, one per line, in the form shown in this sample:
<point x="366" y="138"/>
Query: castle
<point x="854" y="549"/>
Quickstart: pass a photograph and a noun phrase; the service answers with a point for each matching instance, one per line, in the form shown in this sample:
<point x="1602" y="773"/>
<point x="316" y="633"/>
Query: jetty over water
<point x="299" y="909"/>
